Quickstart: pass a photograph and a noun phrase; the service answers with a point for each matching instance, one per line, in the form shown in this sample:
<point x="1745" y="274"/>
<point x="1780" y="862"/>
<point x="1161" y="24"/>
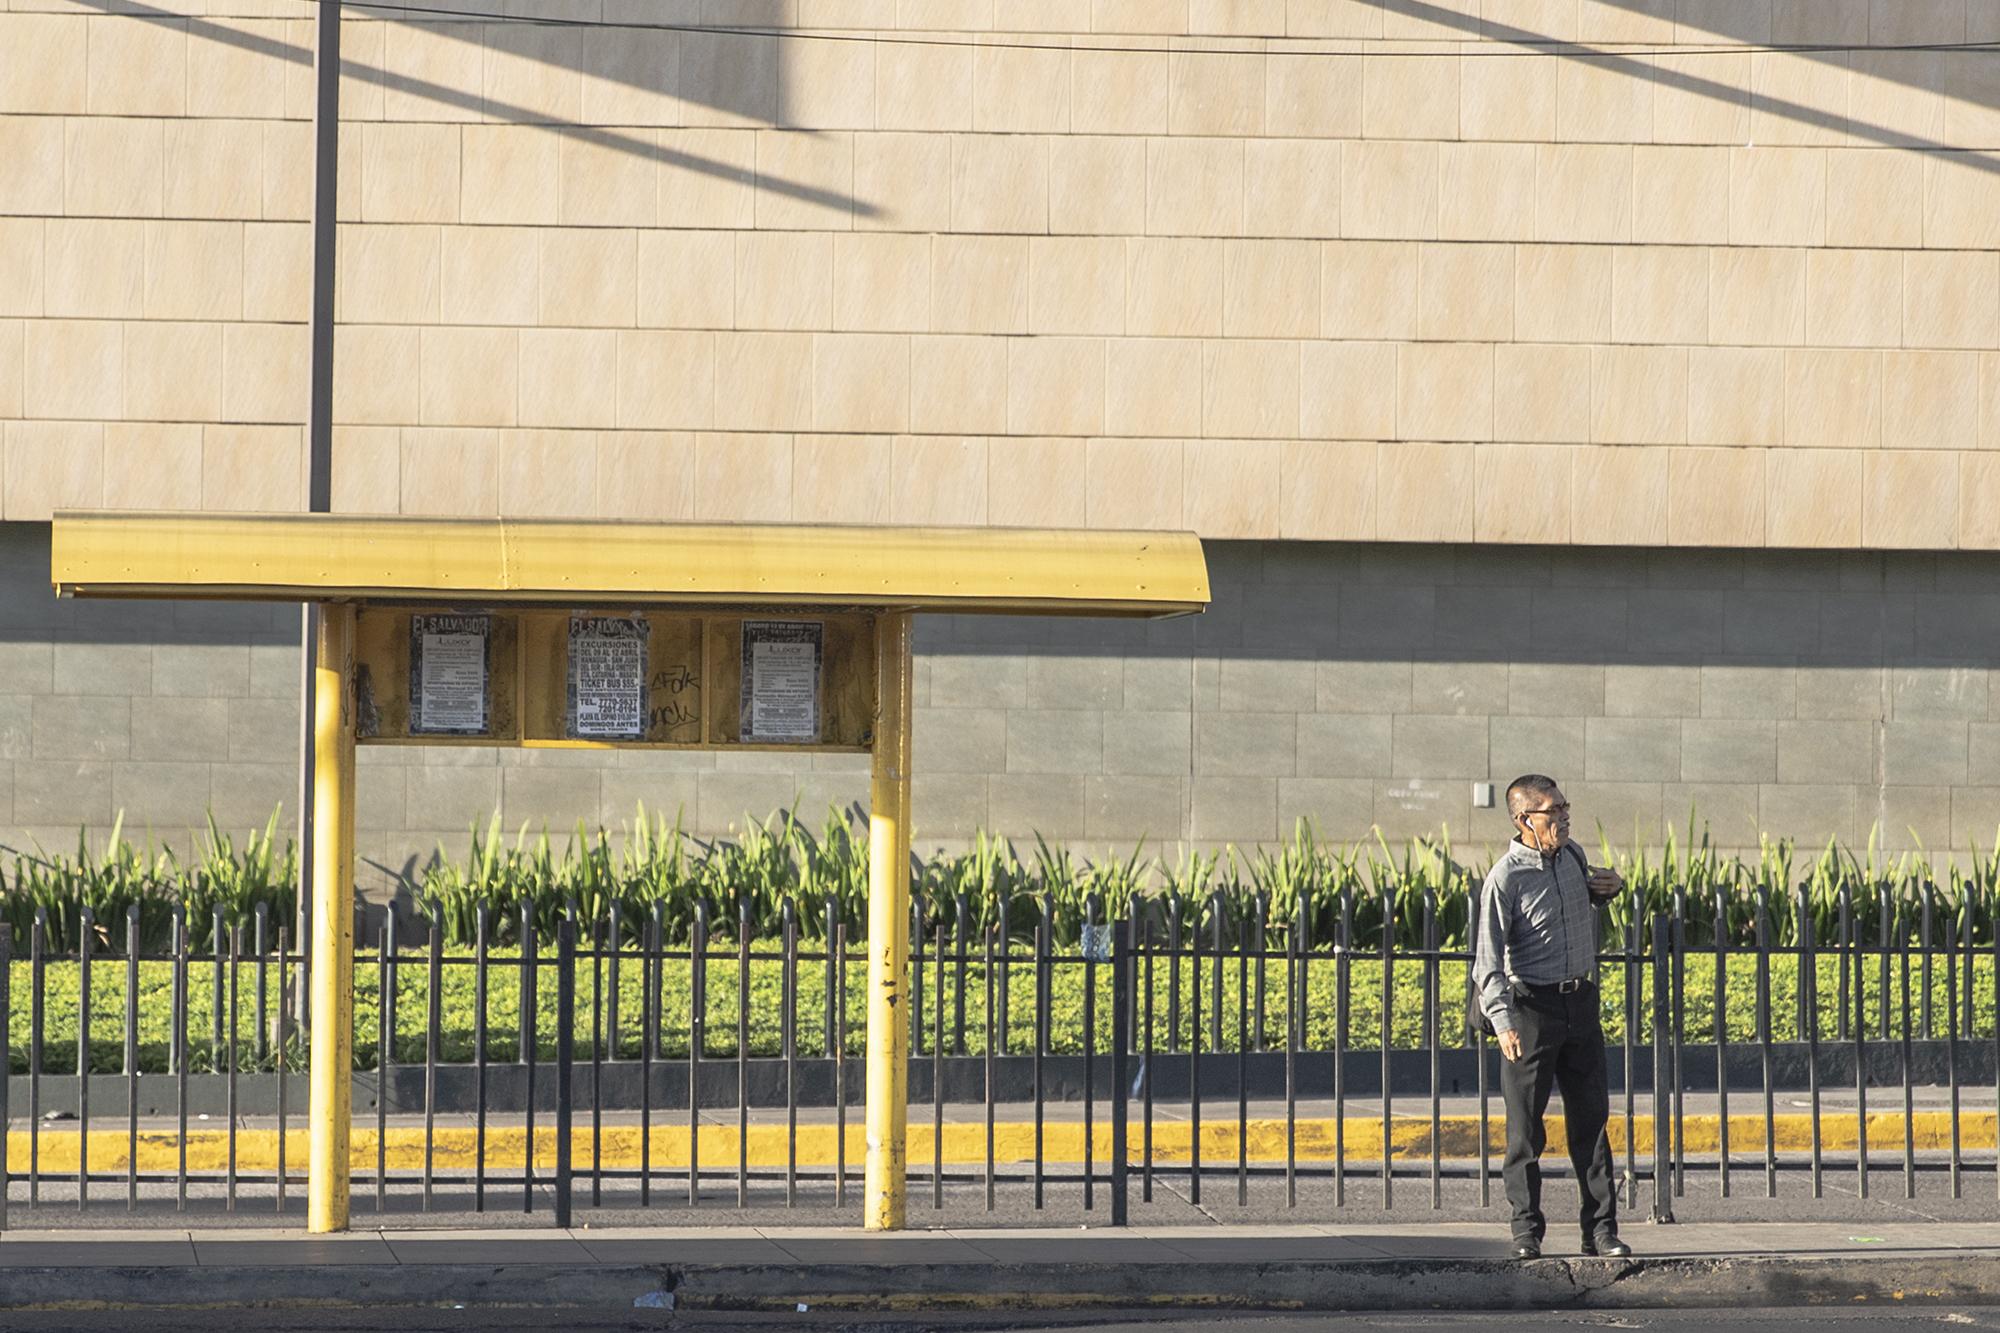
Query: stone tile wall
<point x="1306" y="269"/>
<point x="1801" y="695"/>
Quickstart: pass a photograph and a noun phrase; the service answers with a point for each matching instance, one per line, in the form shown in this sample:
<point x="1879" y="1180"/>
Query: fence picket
<point x="1380" y="1012"/>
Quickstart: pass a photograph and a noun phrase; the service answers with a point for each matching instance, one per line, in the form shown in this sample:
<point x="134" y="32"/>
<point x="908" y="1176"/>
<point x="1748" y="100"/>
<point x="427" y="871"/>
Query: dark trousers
<point x="1562" y="1046"/>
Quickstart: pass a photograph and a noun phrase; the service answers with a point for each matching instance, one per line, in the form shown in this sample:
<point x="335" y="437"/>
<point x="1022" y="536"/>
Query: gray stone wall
<point x="165" y="711"/>
<point x="1802" y="695"/>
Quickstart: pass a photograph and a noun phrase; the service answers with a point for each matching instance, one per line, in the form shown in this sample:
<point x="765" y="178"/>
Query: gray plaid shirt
<point x="1535" y="926"/>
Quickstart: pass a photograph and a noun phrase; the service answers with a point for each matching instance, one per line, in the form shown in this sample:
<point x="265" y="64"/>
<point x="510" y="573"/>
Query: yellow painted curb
<point x="965" y="1144"/>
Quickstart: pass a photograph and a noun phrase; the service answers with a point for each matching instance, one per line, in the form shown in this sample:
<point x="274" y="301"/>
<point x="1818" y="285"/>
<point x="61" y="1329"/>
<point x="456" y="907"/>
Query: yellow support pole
<point x="332" y="1103"/>
<point x="889" y="927"/>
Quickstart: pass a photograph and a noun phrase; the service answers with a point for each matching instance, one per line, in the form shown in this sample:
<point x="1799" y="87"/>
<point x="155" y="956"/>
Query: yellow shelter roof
<point x="329" y="557"/>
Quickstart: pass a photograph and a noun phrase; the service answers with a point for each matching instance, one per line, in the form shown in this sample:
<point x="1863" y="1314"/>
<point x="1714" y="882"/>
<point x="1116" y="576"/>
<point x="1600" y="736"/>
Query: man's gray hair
<point x="1527" y="784"/>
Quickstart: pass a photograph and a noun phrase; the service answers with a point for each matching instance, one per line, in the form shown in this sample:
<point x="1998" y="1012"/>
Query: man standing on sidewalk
<point x="1534" y="965"/>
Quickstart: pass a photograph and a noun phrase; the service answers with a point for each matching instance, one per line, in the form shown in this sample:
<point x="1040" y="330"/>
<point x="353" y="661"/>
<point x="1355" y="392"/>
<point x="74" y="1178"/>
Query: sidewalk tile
<point x="416" y="1248"/>
<point x="1723" y="1236"/>
<point x="589" y="1235"/>
<point x="1293" y="1249"/>
<point x="1171" y="1232"/>
<point x="1679" y="1241"/>
<point x="1422" y="1245"/>
<point x="1061" y="1249"/>
<point x="1929" y="1236"/>
<point x="90" y="1235"/>
<point x="883" y="1250"/>
<point x="126" y="1253"/>
<point x="553" y="1234"/>
<point x="746" y="1248"/>
<point x="297" y="1250"/>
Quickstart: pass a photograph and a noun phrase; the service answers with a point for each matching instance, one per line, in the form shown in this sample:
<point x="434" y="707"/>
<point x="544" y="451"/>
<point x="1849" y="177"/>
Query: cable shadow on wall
<point x="739" y="79"/>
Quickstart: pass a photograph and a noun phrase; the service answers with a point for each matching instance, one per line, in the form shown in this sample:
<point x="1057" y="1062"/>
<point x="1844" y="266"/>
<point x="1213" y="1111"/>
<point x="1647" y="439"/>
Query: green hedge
<point x="458" y="1003"/>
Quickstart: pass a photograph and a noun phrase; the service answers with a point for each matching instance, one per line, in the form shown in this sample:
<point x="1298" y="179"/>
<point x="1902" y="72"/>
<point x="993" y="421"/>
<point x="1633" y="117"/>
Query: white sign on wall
<point x="448" y="672"/>
<point x="781" y="672"/>
<point x="607" y="677"/>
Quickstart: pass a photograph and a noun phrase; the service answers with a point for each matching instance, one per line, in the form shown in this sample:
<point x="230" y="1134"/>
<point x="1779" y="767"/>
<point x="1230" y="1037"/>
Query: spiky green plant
<point x="107" y="882"/>
<point x="1110" y="887"/>
<point x="237" y="882"/>
<point x="761" y="866"/>
<point x="1978" y="883"/>
<point x="452" y="892"/>
<point x="1302" y="882"/>
<point x="833" y="867"/>
<point x="987" y="875"/>
<point x="657" y="866"/>
<point x="653" y="870"/>
<point x="1182" y="891"/>
<point x="1396" y="889"/>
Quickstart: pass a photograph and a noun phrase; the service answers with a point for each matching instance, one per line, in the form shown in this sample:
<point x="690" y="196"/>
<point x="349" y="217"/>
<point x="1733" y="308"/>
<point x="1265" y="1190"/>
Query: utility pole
<point x="319" y="428"/>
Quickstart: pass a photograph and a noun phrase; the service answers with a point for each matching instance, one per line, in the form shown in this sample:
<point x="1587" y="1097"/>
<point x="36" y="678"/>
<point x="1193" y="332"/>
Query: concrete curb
<point x="1397" y="1284"/>
<point x="1927" y="1278"/>
<point x="306" y="1286"/>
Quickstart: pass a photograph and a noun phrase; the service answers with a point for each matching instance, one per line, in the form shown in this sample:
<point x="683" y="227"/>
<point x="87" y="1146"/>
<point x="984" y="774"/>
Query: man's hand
<point x="1605" y="883"/>
<point x="1510" y="1045"/>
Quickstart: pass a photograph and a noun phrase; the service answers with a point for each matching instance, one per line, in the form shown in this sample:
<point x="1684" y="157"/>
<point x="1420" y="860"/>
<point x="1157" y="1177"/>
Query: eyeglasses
<point x="1551" y="811"/>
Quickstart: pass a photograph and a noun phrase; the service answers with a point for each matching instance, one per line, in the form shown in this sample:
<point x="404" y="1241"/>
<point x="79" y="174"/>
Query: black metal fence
<point x="588" y="1074"/>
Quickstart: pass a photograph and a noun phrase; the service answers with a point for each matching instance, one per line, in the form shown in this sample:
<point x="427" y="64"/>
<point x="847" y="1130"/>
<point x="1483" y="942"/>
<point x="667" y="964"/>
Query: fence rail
<point x="602" y="1071"/>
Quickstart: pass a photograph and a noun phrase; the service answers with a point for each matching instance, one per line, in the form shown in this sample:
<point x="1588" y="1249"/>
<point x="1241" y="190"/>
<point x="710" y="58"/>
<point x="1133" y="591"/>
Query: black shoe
<point x="1525" y="1248"/>
<point x="1607" y="1247"/>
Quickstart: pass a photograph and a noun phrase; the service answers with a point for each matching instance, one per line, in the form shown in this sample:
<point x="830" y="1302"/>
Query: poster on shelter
<point x="607" y="678"/>
<point x="449" y="665"/>
<point x="781" y="669"/>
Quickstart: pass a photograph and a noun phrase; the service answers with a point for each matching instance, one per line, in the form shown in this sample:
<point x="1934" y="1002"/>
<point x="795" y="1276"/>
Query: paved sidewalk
<point x="1390" y="1266"/>
<point x="742" y="1245"/>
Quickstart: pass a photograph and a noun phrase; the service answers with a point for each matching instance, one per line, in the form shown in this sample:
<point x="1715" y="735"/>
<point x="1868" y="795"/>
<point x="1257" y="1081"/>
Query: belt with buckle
<point x="1569" y="987"/>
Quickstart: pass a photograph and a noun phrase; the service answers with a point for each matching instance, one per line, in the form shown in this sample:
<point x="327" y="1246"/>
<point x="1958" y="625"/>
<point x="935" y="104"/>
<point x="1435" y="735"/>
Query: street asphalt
<point x="433" y="1319"/>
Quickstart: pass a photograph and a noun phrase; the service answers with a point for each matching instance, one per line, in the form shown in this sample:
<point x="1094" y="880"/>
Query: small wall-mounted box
<point x="1482" y="796"/>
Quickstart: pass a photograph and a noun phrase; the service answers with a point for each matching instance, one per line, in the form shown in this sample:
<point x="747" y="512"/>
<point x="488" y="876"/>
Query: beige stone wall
<point x="1316" y="269"/>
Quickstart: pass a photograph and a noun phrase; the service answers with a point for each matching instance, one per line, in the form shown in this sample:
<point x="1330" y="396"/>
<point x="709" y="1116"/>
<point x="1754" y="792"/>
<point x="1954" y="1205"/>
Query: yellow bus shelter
<point x="585" y="634"/>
